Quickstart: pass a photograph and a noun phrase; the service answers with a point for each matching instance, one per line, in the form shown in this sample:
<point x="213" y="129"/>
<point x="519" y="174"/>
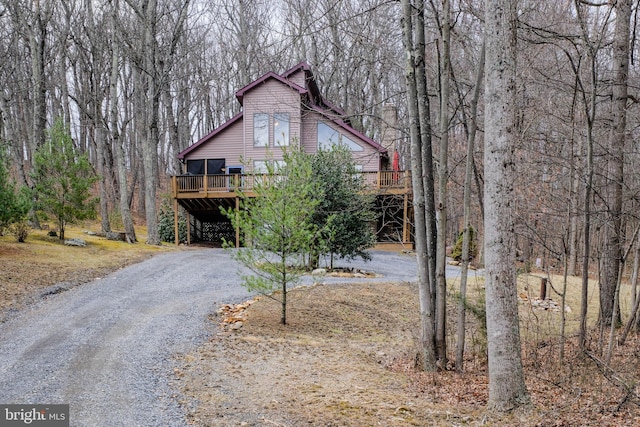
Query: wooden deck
<point x="227" y="186"/>
<point x="203" y="196"/>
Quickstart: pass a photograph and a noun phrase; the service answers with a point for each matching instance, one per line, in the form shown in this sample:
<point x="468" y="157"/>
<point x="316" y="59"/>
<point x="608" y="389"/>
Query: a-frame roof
<point x="270" y="75"/>
<point x="318" y="104"/>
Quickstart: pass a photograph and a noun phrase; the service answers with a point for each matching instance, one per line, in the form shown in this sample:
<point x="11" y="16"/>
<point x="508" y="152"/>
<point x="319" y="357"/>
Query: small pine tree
<point x="166" y="223"/>
<point x="276" y="227"/>
<point x="14" y="205"/>
<point x="63" y="179"/>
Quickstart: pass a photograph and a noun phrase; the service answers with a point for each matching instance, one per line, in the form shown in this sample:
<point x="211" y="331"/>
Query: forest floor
<point x="347" y="356"/>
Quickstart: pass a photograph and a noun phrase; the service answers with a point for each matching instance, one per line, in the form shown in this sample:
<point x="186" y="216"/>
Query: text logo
<point x="34" y="415"/>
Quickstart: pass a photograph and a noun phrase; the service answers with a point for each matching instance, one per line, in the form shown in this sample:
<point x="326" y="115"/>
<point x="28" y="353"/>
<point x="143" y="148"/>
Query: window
<point x="328" y="137"/>
<point x="263" y="166"/>
<point x="281" y="129"/>
<point x="350" y="144"/>
<point x="261" y="130"/>
<point x="195" y="167"/>
<point x="260" y="166"/>
<point x="278" y="165"/>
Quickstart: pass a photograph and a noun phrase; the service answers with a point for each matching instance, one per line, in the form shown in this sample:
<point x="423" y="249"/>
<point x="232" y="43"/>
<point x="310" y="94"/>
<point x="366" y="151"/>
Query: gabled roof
<point x="270" y="75"/>
<point x="210" y="135"/>
<point x="318" y="104"/>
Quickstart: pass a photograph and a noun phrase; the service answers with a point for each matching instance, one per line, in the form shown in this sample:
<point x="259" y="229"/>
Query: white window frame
<point x="281" y="129"/>
<point x="260" y="133"/>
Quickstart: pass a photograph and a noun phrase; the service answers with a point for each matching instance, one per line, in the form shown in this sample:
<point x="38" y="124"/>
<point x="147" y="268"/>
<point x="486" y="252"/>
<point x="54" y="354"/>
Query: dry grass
<point x="347" y="358"/>
<point x="27" y="269"/>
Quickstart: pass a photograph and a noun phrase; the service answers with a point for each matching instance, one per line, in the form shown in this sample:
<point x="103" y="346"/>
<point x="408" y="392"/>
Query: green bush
<point x="456" y="252"/>
<point x="166" y="224"/>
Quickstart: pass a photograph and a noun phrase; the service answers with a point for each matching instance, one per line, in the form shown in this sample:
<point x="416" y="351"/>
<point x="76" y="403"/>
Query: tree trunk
<point x="590" y="114"/>
<point x="466" y="243"/>
<point x="427" y="344"/>
<point x="125" y="211"/>
<point x="424" y="126"/>
<point x="507" y="389"/>
<point x="100" y="142"/>
<point x="443" y="177"/>
<point x="612" y="250"/>
<point x="150" y="135"/>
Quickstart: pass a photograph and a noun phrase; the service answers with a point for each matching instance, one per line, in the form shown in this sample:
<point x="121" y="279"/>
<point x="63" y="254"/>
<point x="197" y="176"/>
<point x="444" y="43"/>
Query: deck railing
<point x="184" y="184"/>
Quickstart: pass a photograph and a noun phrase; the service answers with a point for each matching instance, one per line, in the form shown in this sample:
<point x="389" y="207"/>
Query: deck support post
<point x="189" y="228"/>
<point x="237" y="222"/>
<point x="405" y="219"/>
<point x="175" y="221"/>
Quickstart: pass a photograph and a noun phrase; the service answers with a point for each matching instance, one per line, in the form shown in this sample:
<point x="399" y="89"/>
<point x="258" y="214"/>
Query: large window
<point x="261" y="130"/>
<point x="195" y="167"/>
<point x="328" y="137"/>
<point x="281" y="129"/>
<point x="260" y="166"/>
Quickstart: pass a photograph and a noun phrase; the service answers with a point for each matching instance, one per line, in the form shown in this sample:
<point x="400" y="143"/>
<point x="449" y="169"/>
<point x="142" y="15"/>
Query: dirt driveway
<point x="107" y="348"/>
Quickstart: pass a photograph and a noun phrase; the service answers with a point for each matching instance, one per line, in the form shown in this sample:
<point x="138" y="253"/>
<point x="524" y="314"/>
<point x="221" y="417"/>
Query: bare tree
<point x="613" y="240"/>
<point x="466" y="239"/>
<point x="411" y="27"/>
<point x="507" y="389"/>
<point x="444" y="24"/>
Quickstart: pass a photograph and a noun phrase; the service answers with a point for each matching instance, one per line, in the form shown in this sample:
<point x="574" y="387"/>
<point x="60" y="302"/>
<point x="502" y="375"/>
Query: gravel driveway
<point x="106" y="347"/>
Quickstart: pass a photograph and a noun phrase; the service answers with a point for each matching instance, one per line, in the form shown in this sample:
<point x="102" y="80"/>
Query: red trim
<point x="264" y="78"/>
<point x="301" y="66"/>
<point x="317" y="104"/>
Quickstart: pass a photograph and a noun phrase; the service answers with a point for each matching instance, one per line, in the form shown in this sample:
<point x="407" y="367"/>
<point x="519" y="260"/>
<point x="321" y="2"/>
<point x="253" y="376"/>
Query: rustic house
<point x="278" y="111"/>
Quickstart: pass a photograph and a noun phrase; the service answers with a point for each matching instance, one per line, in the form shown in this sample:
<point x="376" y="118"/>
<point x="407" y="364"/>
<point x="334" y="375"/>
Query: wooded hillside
<point x="138" y="81"/>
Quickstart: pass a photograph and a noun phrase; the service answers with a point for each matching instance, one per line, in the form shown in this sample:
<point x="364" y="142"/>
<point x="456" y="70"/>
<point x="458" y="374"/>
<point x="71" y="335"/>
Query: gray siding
<point x="298" y="78"/>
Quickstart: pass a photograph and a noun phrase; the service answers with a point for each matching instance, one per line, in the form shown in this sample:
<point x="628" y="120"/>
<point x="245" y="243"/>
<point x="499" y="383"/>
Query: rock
<point x="235" y="326"/>
<point x="319" y="272"/>
<point x="75" y="242"/>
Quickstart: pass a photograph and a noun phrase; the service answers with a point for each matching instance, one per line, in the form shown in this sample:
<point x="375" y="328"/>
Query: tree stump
<point x="543" y="288"/>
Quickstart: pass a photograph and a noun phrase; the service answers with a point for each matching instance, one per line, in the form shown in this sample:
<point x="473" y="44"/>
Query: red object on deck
<point x="396" y="165"/>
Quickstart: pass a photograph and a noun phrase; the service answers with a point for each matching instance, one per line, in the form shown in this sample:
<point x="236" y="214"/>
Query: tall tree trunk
<point x="125" y="211"/>
<point x="427" y="344"/>
<point x="590" y="114"/>
<point x="100" y="142"/>
<point x="38" y="36"/>
<point x="507" y="389"/>
<point x="443" y="177"/>
<point x="612" y="250"/>
<point x="38" y="45"/>
<point x="150" y="134"/>
<point x="466" y="238"/>
<point x="424" y="114"/>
